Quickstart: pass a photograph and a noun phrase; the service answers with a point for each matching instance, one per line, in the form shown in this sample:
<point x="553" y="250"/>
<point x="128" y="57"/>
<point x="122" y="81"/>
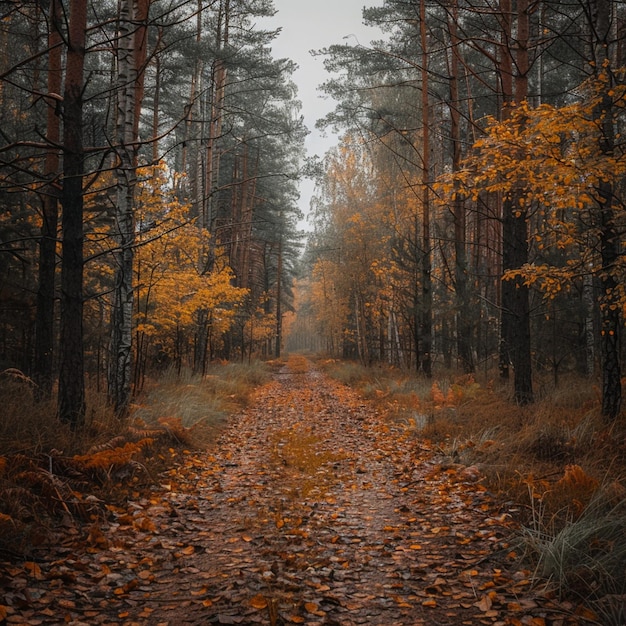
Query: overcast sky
<point x="311" y="25"/>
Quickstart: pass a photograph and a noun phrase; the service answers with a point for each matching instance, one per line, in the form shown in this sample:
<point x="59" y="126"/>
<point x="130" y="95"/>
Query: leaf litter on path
<point x="311" y="509"/>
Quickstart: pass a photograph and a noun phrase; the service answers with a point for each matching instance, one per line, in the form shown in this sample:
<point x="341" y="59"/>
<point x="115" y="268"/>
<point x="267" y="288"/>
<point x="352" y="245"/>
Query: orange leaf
<point x="199" y="592"/>
<point x="34" y="569"/>
<point x="296" y="619"/>
<point x="587" y="614"/>
<point x="147" y="525"/>
<point x="258" y="602"/>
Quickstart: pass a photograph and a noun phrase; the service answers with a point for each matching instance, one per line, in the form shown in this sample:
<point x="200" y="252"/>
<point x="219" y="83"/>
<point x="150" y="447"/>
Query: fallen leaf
<point x="199" y="592"/>
<point x="258" y="602"/>
<point x="484" y="604"/>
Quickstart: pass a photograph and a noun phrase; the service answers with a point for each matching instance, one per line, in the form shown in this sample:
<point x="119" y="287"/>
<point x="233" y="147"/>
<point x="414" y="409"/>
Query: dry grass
<point x="201" y="404"/>
<point x="47" y="470"/>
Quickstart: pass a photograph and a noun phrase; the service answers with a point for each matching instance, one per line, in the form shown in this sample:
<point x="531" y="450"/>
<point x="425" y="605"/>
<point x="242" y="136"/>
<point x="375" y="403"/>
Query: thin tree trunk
<point x="427" y="296"/>
<point x="610" y="318"/>
<point x="589" y="333"/>
<point x="120" y="370"/>
<point x="71" y="400"/>
<point x="155" y="109"/>
<point x="463" y="306"/>
<point x="279" y="295"/>
<point x="44" y="324"/>
<point x="515" y="316"/>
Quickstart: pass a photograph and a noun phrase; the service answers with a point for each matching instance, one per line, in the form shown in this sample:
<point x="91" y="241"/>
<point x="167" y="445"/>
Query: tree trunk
<point x="120" y="366"/>
<point x="589" y="332"/>
<point x="44" y="324"/>
<point x="279" y="295"/>
<point x="515" y="302"/>
<point x="71" y="400"/>
<point x="610" y="318"/>
<point x="427" y="296"/>
<point x="464" y="323"/>
<point x="515" y="315"/>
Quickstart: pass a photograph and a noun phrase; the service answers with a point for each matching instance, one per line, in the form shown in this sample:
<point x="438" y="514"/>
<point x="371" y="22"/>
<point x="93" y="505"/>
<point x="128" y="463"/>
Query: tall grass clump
<point x="29" y="426"/>
<point x="585" y="557"/>
<point x="201" y="403"/>
<point x="379" y="381"/>
<point x="45" y="467"/>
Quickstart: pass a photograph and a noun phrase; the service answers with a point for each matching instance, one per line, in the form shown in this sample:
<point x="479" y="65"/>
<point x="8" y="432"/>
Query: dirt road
<point x="312" y="509"/>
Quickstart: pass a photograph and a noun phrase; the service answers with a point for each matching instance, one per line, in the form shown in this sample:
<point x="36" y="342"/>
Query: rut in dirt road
<point x="312" y="509"/>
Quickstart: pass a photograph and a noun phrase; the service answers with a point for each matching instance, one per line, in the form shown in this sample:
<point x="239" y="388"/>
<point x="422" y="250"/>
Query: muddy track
<point x="312" y="509"/>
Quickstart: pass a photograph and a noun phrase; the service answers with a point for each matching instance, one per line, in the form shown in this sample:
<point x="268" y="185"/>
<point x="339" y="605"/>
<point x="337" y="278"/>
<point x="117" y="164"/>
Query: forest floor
<point x="312" y="508"/>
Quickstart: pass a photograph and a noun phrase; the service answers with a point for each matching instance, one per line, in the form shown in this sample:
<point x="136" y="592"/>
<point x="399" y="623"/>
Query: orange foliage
<point x="438" y="397"/>
<point x="114" y="457"/>
<point x="553" y="155"/>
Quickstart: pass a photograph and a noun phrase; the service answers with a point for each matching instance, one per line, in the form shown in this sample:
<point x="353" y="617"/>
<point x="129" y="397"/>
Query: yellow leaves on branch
<point x="549" y="279"/>
<point x="550" y="162"/>
<point x="179" y="270"/>
<point x="551" y="154"/>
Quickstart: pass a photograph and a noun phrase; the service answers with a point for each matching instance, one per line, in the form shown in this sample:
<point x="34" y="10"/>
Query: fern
<point x="110" y="458"/>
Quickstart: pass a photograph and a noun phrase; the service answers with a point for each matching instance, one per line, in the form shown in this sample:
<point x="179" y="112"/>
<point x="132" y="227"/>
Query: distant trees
<point x="421" y="106"/>
<point x="180" y="100"/>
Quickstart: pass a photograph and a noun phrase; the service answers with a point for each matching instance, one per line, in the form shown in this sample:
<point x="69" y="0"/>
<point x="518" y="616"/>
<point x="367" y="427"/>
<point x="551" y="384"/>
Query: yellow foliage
<point x="178" y="269"/>
<point x="549" y="160"/>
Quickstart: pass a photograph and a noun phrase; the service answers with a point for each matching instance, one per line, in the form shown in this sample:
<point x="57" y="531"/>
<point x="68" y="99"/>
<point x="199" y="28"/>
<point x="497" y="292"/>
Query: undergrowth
<point x="556" y="463"/>
<point x="51" y="476"/>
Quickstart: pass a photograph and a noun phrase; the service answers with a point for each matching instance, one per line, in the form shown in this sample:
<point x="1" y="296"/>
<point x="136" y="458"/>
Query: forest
<point x="171" y="336"/>
<point x="150" y="155"/>
<point x="470" y="218"/>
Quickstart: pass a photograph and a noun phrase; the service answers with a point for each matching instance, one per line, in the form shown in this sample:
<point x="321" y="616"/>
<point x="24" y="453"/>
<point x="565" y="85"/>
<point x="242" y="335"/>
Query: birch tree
<point x="131" y="33"/>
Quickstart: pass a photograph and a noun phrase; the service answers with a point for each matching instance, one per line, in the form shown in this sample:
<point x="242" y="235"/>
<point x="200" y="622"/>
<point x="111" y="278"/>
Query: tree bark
<point x="427" y="296"/>
<point x="464" y="325"/>
<point x="44" y="324"/>
<point x="515" y="315"/>
<point x="129" y="82"/>
<point x="610" y="317"/>
<point x="71" y="400"/>
<point x="279" y="295"/>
